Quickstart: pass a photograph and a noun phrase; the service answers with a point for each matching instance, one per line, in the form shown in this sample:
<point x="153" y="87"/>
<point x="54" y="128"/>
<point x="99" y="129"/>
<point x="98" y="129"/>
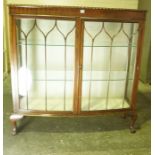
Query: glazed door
<point x="109" y="57"/>
<point x="46" y="64"/>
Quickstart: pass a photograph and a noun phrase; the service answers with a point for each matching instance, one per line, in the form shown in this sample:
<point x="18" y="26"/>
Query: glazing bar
<point x="110" y="57"/>
<point x="20" y="59"/>
<point x="83" y="80"/>
<point x="18" y="25"/>
<point x="91" y="63"/>
<point x="108" y="85"/>
<point x="26" y="73"/>
<point x="90" y="81"/>
<point x="126" y="78"/>
<point x="27" y="61"/>
<point x="65" y="56"/>
<point x="45" y="45"/>
<point x="19" y="55"/>
<point x="65" y="67"/>
<point x="45" y="37"/>
<point x="128" y="64"/>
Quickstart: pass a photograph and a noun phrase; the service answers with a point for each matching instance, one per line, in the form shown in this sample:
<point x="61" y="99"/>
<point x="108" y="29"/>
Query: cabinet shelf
<point x="69" y="80"/>
<point x="31" y="44"/>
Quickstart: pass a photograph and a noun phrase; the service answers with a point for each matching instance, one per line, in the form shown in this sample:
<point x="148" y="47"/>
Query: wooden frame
<point x="79" y="15"/>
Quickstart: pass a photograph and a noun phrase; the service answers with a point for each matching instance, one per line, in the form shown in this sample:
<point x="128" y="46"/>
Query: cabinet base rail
<point x="17" y="117"/>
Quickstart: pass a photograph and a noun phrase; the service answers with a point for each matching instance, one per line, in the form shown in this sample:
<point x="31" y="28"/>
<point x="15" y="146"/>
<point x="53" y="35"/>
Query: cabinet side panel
<point x="138" y="63"/>
<point x="13" y="60"/>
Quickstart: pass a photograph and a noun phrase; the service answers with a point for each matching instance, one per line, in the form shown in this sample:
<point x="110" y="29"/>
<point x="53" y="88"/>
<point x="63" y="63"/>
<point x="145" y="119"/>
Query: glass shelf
<point x="31" y="44"/>
<point x="85" y="70"/>
<point x="110" y="46"/>
<point x="83" y="80"/>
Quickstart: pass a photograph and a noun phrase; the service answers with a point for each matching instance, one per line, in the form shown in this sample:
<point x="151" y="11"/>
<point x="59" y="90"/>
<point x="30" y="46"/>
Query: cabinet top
<point x="131" y="15"/>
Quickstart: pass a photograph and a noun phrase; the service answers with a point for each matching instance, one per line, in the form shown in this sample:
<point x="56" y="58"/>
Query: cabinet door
<point x="109" y="57"/>
<point x="46" y="64"/>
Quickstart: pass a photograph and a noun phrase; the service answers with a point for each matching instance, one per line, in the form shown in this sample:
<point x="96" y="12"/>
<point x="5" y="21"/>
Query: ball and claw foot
<point x="14" y="131"/>
<point x="132" y="129"/>
<point x="14" y="118"/>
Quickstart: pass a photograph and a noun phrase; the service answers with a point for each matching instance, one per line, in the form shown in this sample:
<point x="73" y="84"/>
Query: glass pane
<point x="96" y="101"/>
<point x="116" y="94"/>
<point x="109" y="54"/>
<point x="36" y="96"/>
<point x="46" y="58"/>
<point x="100" y="63"/>
<point x="117" y="63"/>
<point x="26" y="25"/>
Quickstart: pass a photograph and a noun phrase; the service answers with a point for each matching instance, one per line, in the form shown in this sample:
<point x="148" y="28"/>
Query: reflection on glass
<point x="25" y="80"/>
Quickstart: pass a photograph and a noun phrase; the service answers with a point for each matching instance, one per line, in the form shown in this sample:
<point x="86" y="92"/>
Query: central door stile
<point x="78" y="65"/>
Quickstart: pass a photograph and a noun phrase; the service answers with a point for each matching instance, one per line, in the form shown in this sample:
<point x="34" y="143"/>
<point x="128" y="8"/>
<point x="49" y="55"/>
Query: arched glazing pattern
<point x="108" y="64"/>
<point x="46" y="54"/>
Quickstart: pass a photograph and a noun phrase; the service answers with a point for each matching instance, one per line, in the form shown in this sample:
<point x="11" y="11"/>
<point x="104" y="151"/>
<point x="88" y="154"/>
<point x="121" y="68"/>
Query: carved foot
<point x="132" y="129"/>
<point x="14" y="118"/>
<point x="14" y="127"/>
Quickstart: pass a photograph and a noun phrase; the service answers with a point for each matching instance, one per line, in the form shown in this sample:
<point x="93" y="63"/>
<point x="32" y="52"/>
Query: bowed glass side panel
<point x="109" y="57"/>
<point x="46" y="58"/>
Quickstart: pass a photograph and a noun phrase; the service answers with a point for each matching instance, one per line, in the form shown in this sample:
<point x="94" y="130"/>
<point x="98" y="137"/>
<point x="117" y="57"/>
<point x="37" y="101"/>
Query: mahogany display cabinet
<point x="72" y="61"/>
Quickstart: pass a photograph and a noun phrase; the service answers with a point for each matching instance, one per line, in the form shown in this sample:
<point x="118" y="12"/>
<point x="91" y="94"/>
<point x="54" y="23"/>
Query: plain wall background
<point x="145" y="75"/>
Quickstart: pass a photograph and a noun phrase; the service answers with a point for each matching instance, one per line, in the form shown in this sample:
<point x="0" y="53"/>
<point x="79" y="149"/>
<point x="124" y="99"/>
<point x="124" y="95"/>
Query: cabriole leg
<point x="14" y="127"/>
<point x="14" y="118"/>
<point x="132" y="124"/>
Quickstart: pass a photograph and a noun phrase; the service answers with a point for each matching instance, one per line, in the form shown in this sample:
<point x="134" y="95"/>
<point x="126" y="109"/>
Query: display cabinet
<point x="69" y="61"/>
